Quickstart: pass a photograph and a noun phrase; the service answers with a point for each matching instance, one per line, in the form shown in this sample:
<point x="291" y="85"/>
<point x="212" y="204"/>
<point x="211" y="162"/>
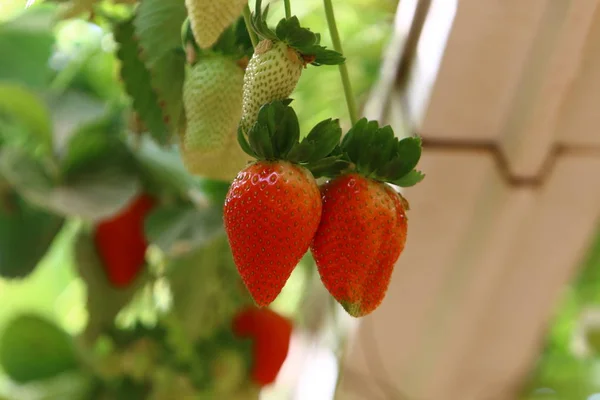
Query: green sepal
<point x="410" y="179"/>
<point x="329" y="166"/>
<point x="243" y="142"/>
<point x="276" y="136"/>
<point x="319" y="143"/>
<point x="377" y="153"/>
<point x="288" y="30"/>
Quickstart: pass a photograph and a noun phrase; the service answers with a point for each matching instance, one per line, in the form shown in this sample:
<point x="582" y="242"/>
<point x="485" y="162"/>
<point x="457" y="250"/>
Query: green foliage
<point x="68" y="155"/>
<point x="28" y="39"/>
<point x="26" y="233"/>
<point x="32" y="348"/>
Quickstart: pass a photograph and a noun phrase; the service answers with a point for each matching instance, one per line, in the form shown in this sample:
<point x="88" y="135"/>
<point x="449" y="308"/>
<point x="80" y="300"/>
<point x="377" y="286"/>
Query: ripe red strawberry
<point x="272" y="212"/>
<point x="121" y="243"/>
<point x="278" y="60"/>
<point x="273" y="207"/>
<point x="363" y="225"/>
<point x="271" y="334"/>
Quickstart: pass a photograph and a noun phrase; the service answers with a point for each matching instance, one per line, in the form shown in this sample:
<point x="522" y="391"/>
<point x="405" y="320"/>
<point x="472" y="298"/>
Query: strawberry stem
<point x="337" y="45"/>
<point x="288" y="9"/>
<point x="247" y="19"/>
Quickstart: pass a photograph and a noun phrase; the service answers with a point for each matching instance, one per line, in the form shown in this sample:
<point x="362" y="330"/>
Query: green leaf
<point x="103" y="300"/>
<point x="26" y="44"/>
<point x="92" y="195"/>
<point x="93" y="144"/>
<point x="158" y="26"/>
<point x="168" y="75"/>
<point x="137" y="81"/>
<point x="26" y="233"/>
<point x="24" y="107"/>
<point x="32" y="348"/>
<point x="180" y="229"/>
<point x="410" y="179"/>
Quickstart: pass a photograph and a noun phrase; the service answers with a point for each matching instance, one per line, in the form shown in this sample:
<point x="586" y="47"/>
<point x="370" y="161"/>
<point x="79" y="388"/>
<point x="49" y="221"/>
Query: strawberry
<point x="121" y="243"/>
<point x="271" y="334"/>
<point x="212" y="96"/>
<point x="363" y="225"/>
<point x="209" y="18"/>
<point x="273" y="207"/>
<point x="278" y="60"/>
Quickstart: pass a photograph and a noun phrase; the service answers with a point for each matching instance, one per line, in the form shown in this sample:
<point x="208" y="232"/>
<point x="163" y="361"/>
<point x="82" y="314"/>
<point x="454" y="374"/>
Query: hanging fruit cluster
<point x="355" y="224"/>
<point x="186" y="222"/>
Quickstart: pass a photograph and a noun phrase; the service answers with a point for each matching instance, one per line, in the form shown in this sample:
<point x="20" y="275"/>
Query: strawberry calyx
<point x="378" y="154"/>
<point x="276" y="136"/>
<point x="289" y="31"/>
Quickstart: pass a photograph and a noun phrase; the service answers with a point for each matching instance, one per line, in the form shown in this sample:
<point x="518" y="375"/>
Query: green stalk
<point x="288" y="9"/>
<point x="337" y="46"/>
<point x="247" y="17"/>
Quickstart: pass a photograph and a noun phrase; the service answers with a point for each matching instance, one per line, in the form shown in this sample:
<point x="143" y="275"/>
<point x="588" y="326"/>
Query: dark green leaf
<point x="137" y="81"/>
<point x="32" y="348"/>
<point x="93" y="143"/>
<point x="410" y="179"/>
<point x="26" y="233"/>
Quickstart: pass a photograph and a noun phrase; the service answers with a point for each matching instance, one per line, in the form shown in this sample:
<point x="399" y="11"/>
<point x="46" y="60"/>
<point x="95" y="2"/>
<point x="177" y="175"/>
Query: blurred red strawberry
<point x="271" y="334"/>
<point x="121" y="243"/>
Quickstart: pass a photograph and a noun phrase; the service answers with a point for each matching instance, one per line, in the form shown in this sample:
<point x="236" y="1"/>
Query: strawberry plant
<point x="154" y="163"/>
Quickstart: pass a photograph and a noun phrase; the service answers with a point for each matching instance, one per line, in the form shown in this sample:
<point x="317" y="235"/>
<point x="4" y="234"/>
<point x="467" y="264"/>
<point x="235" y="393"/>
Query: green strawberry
<point x="278" y="60"/>
<point x="212" y="96"/>
<point x="209" y="18"/>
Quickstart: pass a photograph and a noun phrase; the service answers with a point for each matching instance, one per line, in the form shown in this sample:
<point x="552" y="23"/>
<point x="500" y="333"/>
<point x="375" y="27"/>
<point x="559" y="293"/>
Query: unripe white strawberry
<point x="212" y="98"/>
<point x="209" y="18"/>
<point x="272" y="74"/>
<point x="277" y="62"/>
